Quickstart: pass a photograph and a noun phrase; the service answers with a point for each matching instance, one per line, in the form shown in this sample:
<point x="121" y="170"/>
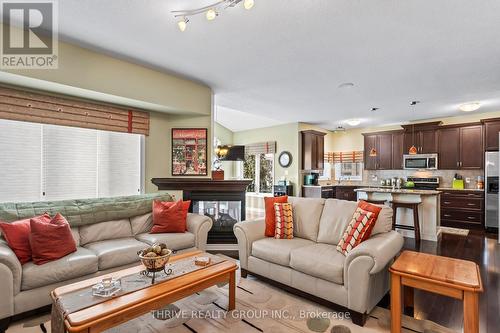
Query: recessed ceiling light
<point x="346" y="85"/>
<point x="469" y="107"/>
<point x="375" y="109"/>
<point x="353" y="122"/>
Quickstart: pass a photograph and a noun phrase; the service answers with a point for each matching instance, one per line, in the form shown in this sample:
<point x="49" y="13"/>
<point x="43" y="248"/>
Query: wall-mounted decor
<point x="189" y="151"/>
<point x="285" y="159"/>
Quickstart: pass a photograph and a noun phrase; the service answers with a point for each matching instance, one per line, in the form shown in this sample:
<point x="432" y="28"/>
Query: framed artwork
<point x="189" y="152"/>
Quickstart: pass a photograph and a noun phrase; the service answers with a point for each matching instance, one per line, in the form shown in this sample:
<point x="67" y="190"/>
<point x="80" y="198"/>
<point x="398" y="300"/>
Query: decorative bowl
<point x="155" y="264"/>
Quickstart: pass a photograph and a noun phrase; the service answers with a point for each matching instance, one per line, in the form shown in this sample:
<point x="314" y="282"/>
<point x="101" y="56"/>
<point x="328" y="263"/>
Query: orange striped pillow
<point x="360" y="228"/>
<point x="284" y="221"/>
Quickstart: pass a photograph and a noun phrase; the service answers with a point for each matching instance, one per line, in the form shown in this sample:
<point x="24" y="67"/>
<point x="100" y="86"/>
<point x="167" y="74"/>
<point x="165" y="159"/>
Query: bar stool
<point x="416" y="223"/>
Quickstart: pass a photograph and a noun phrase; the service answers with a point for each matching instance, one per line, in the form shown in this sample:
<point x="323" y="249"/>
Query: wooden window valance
<point x="33" y="107"/>
<point x="268" y="147"/>
<point x="339" y="157"/>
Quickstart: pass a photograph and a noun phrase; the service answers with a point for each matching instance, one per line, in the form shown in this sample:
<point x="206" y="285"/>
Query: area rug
<point x="260" y="307"/>
<point x="453" y="231"/>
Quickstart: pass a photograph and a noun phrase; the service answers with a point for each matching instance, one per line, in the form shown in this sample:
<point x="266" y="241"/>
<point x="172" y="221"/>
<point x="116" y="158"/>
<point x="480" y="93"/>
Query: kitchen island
<point x="428" y="212"/>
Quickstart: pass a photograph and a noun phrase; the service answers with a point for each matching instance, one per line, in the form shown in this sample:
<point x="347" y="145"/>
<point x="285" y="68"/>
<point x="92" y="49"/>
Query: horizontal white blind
<point x="119" y="163"/>
<point x="268" y="147"/>
<point x="20" y="161"/>
<point x="69" y="162"/>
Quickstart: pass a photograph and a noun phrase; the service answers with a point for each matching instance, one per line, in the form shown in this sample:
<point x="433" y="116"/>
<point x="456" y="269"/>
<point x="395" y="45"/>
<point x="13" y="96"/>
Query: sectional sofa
<point x="108" y="233"/>
<point x="310" y="265"/>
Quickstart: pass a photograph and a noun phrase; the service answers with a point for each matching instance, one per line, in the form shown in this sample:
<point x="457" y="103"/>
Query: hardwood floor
<point x="480" y="248"/>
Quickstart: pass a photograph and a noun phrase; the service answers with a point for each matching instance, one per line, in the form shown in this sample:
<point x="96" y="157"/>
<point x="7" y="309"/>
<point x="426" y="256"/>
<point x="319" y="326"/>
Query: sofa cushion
<point x="116" y="252"/>
<point x="76" y="264"/>
<point x="306" y="215"/>
<point x="319" y="260"/>
<point x="105" y="230"/>
<point x="277" y="250"/>
<point x="384" y="221"/>
<point x="174" y="241"/>
<point x="335" y="217"/>
<point x="142" y="223"/>
<point x="76" y="235"/>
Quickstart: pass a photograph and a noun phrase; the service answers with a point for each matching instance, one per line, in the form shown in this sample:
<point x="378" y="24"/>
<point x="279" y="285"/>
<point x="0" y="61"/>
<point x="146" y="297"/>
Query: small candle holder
<point x="108" y="287"/>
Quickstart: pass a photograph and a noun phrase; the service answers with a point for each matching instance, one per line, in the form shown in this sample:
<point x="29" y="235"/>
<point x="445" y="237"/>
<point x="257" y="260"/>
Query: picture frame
<point x="189" y="152"/>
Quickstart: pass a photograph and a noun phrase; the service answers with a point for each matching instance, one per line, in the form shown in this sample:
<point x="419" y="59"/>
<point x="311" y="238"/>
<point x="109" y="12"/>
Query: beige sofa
<point x="102" y="247"/>
<point x="310" y="265"/>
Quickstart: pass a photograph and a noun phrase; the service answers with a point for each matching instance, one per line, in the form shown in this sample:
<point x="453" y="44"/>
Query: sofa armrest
<point x="381" y="248"/>
<point x="248" y="232"/>
<point x="9" y="259"/>
<point x="199" y="225"/>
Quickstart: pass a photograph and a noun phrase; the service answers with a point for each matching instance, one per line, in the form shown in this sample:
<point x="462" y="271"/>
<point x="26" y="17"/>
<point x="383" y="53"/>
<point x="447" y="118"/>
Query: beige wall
<point x="226" y="137"/>
<point x="286" y="137"/>
<point x="189" y="103"/>
<point x="353" y="139"/>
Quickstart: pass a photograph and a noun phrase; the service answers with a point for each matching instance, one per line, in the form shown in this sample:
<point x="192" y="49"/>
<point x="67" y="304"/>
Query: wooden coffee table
<point x="120" y="309"/>
<point x="441" y="275"/>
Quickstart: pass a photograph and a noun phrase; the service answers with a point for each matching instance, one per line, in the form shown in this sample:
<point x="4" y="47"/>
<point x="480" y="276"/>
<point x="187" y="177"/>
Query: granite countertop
<point x="400" y="191"/>
<point x="456" y="189"/>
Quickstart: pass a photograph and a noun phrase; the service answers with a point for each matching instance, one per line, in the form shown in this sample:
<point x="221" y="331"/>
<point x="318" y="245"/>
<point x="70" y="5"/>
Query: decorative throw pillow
<point x="270" y="214"/>
<point x="17" y="235"/>
<point x="50" y="240"/>
<point x="284" y="220"/>
<point x="169" y="217"/>
<point x="360" y="228"/>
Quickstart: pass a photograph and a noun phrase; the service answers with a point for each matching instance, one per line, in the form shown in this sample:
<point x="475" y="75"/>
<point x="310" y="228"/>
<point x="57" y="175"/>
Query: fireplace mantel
<point x="201" y="184"/>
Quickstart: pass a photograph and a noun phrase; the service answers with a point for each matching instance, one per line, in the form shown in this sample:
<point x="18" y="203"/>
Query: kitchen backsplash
<point x="445" y="176"/>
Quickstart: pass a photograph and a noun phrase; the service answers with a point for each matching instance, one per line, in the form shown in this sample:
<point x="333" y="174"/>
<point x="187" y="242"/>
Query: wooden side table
<point x="441" y="275"/>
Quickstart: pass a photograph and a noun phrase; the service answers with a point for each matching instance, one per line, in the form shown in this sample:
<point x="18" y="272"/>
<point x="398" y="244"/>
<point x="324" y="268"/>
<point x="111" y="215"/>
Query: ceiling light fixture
<point x="469" y="107"/>
<point x="248" y="4"/>
<point x="182" y="24"/>
<point x="374" y="109"/>
<point x="346" y="85"/>
<point x="211" y="14"/>
<point x="353" y="122"/>
<point x="210" y="11"/>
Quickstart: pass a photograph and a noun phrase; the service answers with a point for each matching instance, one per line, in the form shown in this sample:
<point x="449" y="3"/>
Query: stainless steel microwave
<point x="420" y="162"/>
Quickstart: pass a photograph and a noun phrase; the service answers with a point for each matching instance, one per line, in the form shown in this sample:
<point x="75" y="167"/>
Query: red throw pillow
<point x="169" y="217"/>
<point x="50" y="240"/>
<point x="17" y="235"/>
<point x="185" y="206"/>
<point x="270" y="214"/>
<point x="360" y="228"/>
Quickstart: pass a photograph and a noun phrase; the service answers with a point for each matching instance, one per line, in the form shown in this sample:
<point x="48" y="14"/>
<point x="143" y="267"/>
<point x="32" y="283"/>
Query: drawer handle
<point x="447" y="202"/>
<point x="471" y="217"/>
<point x="447" y="215"/>
<point x="471" y="204"/>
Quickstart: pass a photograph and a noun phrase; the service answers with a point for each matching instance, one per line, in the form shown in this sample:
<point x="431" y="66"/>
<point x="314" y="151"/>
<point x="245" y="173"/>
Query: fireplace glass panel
<point x="224" y="215"/>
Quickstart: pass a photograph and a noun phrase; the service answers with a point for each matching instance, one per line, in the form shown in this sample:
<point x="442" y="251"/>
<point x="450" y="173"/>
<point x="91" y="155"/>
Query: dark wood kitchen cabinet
<point x="491" y="130"/>
<point x="313" y="150"/>
<point x="424" y="140"/>
<point x="389" y="148"/>
<point x="460" y="147"/>
<point x="462" y="209"/>
<point x="346" y="193"/>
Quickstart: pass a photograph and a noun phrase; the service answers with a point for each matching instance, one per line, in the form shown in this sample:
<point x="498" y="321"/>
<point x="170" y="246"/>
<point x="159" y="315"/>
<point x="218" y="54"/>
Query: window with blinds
<point x="49" y="162"/>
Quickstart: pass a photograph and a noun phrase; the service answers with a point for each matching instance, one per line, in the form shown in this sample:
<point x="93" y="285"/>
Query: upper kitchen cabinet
<point x="313" y="150"/>
<point x="422" y="136"/>
<point x="491" y="130"/>
<point x="460" y="147"/>
<point x="388" y="148"/>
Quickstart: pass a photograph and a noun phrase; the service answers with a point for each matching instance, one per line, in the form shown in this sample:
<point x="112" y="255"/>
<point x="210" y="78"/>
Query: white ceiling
<point x="284" y="59"/>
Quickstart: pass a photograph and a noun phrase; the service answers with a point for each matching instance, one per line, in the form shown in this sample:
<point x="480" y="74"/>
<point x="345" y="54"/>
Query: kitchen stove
<point x="421" y="183"/>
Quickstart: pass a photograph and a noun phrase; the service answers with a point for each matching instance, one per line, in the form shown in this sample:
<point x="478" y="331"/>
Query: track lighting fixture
<point x="210" y="11"/>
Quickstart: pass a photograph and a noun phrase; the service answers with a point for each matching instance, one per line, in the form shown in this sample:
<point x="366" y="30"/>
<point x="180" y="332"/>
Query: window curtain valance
<point x="33" y="107"/>
<point x="268" y="147"/>
<point x="348" y="157"/>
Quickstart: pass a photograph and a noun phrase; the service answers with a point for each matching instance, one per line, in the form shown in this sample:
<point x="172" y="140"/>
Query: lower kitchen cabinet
<point x="346" y="193"/>
<point x="462" y="209"/>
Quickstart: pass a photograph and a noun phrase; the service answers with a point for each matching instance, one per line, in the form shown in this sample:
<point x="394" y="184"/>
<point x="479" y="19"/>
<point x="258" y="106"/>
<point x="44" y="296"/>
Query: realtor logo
<point x="29" y="36"/>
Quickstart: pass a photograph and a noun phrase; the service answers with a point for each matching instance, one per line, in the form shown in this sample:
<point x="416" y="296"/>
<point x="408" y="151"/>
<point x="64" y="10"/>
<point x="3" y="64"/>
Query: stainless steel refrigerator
<point x="491" y="172"/>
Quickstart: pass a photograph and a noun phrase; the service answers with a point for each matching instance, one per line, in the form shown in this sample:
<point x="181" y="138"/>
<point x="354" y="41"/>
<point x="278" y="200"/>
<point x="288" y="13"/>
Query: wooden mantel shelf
<point x="201" y="184"/>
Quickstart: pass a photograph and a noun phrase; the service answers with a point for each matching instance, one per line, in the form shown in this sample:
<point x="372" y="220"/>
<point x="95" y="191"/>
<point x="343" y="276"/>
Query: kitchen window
<point x="48" y="162"/>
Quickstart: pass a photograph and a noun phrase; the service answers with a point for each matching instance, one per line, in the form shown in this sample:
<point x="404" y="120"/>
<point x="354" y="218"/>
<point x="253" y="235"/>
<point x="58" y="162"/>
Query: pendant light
<point x="413" y="150"/>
